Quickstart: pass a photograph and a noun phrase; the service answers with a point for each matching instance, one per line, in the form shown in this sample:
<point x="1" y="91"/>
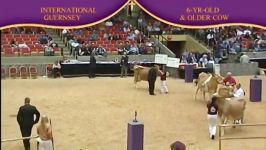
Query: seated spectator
<point x="126" y="29"/>
<point x="136" y="32"/>
<point x="101" y="51"/>
<point x="131" y="36"/>
<point x="140" y="38"/>
<point x="133" y="49"/>
<point x="229" y="80"/>
<point x="191" y="58"/>
<point x="109" y="23"/>
<point x="74" y="42"/>
<point x="156" y="26"/>
<point x="65" y="32"/>
<point x="149" y="27"/>
<point x="127" y="46"/>
<point x="244" y="59"/>
<point x="56" y="71"/>
<point x="70" y="37"/>
<point x="142" y="48"/>
<point x="149" y="43"/>
<point x="110" y="37"/>
<point x="78" y="32"/>
<point x="106" y="35"/>
<point x="93" y="36"/>
<point x="92" y="47"/>
<point x="239" y="92"/>
<point x="80" y="40"/>
<point x="22" y="44"/>
<point x="183" y="59"/>
<point x="102" y="27"/>
<point x="84" y="50"/>
<point x="16" y="30"/>
<point x="43" y="38"/>
<point x="120" y="29"/>
<point x="48" y="51"/>
<point x="27" y="30"/>
<point x="51" y="42"/>
<point x="125" y="23"/>
<point x="13" y="44"/>
<point x="203" y="61"/>
<point x="116" y="37"/>
<point x="120" y="48"/>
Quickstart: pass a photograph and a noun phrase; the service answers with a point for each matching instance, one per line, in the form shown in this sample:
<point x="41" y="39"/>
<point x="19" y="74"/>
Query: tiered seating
<point x="109" y="45"/>
<point x="34" y="48"/>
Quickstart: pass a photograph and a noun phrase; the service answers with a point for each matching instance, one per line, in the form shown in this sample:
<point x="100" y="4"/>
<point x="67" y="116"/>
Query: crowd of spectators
<point x="203" y="60"/>
<point x="28" y="39"/>
<point x="222" y="40"/>
<point x="115" y="35"/>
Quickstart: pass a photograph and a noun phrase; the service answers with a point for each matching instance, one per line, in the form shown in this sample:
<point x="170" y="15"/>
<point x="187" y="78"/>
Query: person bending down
<point x="44" y="131"/>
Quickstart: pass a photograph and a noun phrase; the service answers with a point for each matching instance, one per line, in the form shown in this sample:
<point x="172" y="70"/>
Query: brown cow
<point x="208" y="83"/>
<point x="225" y="92"/>
<point x="141" y="73"/>
<point x="231" y="109"/>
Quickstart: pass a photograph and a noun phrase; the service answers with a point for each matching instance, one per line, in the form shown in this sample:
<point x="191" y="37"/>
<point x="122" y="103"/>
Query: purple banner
<point x="77" y="13"/>
<point x="206" y="12"/>
<point x="57" y="12"/>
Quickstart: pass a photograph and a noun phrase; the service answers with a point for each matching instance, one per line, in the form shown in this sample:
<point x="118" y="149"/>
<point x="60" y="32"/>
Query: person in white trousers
<point x="44" y="131"/>
<point x="212" y="116"/>
<point x="164" y="88"/>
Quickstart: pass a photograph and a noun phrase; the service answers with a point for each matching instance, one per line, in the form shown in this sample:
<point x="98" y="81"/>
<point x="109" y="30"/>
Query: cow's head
<point x="218" y="78"/>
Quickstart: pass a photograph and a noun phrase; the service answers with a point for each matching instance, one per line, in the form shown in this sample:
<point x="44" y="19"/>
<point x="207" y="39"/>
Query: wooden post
<point x="220" y="142"/>
<point x="52" y="133"/>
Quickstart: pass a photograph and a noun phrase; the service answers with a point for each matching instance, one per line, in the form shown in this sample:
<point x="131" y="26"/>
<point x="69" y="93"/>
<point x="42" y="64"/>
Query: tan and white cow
<point x="231" y="109"/>
<point x="141" y="73"/>
<point x="207" y="82"/>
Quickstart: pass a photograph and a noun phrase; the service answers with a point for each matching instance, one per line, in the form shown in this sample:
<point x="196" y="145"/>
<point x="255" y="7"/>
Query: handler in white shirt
<point x="239" y="92"/>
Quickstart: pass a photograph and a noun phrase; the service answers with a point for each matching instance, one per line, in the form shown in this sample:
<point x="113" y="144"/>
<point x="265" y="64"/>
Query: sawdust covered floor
<point x="93" y="113"/>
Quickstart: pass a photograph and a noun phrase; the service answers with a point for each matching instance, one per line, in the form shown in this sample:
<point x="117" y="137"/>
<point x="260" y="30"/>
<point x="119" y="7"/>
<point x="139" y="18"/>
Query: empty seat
<point x="33" y="72"/>
<point x="24" y="51"/>
<point x="8" y="52"/>
<point x="23" y="70"/>
<point x="49" y="70"/>
<point x="13" y="71"/>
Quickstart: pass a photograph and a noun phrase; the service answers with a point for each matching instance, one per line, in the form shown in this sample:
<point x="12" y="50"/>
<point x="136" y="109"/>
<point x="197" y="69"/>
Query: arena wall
<point x="239" y="69"/>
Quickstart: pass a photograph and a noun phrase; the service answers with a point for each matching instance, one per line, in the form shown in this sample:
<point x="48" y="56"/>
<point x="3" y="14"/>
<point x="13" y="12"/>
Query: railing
<point x="234" y="138"/>
<point x="31" y="137"/>
<point x="18" y="139"/>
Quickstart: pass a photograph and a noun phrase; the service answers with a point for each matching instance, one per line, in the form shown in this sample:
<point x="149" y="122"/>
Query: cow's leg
<point x="196" y="93"/>
<point x="223" y="121"/>
<point x="135" y="80"/>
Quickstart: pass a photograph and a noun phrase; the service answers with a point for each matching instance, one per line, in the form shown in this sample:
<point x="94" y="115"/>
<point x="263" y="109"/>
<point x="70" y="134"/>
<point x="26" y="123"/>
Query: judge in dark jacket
<point x="26" y="120"/>
<point x="92" y="65"/>
<point x="124" y="65"/>
<point x="152" y="75"/>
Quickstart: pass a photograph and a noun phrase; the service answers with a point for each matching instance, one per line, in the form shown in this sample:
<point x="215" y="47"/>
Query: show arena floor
<point x="92" y="114"/>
